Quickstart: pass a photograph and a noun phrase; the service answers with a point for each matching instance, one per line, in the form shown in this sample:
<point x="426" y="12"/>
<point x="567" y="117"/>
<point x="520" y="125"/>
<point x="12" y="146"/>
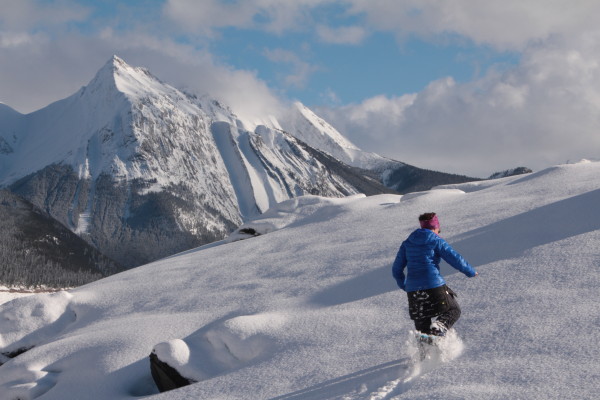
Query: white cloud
<point x="371" y="123"/>
<point x="10" y="39"/>
<point x="544" y="111"/>
<point x="301" y="70"/>
<point x="44" y="57"/>
<point x="21" y="15"/>
<point x="330" y="97"/>
<point x="186" y="67"/>
<point x="204" y="15"/>
<point x="47" y="62"/>
<point x="276" y="16"/>
<point x="505" y="25"/>
<point x="57" y="68"/>
<point x="541" y="112"/>
<point x="341" y="35"/>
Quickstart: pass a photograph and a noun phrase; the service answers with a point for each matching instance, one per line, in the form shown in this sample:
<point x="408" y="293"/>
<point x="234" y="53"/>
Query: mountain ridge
<point x="142" y="170"/>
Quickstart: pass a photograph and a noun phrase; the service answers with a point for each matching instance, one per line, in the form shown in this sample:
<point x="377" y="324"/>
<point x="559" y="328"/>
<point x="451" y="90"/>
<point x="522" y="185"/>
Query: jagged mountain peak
<point x="117" y="61"/>
<point x="324" y="128"/>
<point x="134" y="82"/>
<point x="110" y="126"/>
<point x="307" y="126"/>
<point x="106" y="77"/>
<point x="113" y="64"/>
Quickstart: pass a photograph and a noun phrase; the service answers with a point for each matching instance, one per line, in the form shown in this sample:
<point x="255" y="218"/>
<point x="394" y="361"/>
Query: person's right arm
<point x="398" y="267"/>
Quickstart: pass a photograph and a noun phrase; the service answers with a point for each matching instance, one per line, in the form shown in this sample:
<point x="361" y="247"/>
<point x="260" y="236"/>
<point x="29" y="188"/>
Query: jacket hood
<point x="422" y="236"/>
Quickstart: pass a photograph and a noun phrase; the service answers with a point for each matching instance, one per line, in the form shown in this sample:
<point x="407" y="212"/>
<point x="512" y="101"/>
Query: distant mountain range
<point x="141" y="170"/>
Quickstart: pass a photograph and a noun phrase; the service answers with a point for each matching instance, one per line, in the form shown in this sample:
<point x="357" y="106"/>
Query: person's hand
<point x="476" y="274"/>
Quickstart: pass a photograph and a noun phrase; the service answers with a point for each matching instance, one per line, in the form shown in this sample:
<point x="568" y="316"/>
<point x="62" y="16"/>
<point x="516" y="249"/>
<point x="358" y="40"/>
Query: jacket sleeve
<point x="449" y="255"/>
<point x="398" y="267"/>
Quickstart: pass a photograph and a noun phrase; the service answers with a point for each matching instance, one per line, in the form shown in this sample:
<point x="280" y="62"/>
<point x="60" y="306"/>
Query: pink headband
<point x="433" y="223"/>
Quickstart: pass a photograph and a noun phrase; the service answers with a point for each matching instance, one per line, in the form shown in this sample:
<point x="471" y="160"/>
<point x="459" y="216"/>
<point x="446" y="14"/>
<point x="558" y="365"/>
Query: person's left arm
<point x="449" y="255"/>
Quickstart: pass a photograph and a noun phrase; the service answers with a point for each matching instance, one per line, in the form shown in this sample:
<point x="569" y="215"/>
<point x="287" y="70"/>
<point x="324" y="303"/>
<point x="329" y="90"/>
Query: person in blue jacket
<point x="428" y="295"/>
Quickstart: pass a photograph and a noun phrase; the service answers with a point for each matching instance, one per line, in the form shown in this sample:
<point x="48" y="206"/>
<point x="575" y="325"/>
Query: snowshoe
<point x="438" y="328"/>
<point x="426" y="344"/>
<point x="425" y="338"/>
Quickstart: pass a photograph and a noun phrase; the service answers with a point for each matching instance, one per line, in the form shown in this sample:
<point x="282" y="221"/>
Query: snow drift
<point x="309" y="310"/>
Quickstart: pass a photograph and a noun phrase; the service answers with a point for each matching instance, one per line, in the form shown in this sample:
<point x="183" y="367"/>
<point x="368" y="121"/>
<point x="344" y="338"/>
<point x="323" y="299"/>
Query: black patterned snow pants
<point x="438" y="302"/>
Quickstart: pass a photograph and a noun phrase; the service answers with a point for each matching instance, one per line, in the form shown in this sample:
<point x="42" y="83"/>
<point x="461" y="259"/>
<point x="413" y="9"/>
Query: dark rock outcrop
<point x="166" y="377"/>
<point x="510" y="172"/>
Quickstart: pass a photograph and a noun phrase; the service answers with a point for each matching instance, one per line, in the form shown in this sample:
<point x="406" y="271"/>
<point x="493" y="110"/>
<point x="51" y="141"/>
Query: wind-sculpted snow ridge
<point x="305" y="209"/>
<point x="24" y="324"/>
<point x="28" y="322"/>
<point x="309" y="310"/>
<point x="223" y="347"/>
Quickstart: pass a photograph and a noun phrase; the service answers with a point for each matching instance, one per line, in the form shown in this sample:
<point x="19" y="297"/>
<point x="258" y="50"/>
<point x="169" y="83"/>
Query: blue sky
<point x="482" y="85"/>
<point x="339" y="74"/>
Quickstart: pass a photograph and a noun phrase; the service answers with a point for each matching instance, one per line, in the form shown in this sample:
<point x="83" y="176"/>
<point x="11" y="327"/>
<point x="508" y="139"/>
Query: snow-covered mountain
<point x="309" y="309"/>
<point x="143" y="170"/>
<point x="304" y="124"/>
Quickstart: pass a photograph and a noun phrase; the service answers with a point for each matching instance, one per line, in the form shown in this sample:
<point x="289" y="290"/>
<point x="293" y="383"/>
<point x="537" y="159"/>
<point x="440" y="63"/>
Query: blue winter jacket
<point x="420" y="253"/>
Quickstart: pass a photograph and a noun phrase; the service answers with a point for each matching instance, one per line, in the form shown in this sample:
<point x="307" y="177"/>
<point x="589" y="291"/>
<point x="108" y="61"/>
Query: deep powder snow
<point x="309" y="309"/>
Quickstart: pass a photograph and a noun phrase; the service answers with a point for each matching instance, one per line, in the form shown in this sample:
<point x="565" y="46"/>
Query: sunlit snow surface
<point x="7" y="295"/>
<point x="309" y="309"/>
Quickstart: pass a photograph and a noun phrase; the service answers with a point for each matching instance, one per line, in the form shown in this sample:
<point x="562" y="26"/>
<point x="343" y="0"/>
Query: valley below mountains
<point x="141" y="170"/>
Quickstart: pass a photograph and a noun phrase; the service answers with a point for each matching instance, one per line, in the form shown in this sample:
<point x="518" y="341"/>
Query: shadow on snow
<point x="334" y="388"/>
<point x="505" y="239"/>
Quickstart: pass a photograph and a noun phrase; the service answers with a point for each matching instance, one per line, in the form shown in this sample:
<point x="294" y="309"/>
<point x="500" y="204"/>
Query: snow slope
<point x="7" y="295"/>
<point x="309" y="310"/>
